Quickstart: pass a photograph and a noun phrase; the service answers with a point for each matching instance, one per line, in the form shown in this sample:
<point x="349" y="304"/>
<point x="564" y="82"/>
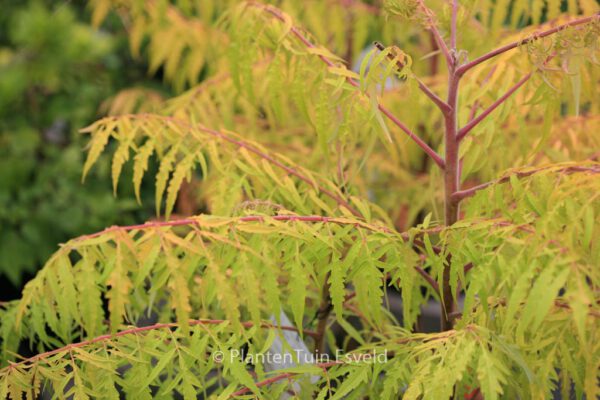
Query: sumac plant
<point x="455" y="164"/>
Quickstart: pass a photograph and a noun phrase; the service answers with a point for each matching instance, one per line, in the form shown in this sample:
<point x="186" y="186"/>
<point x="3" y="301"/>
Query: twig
<point x="475" y="121"/>
<point x="249" y="218"/>
<point x="289" y="170"/>
<point x="432" y="27"/>
<point x="453" y="25"/>
<point x="251" y="148"/>
<point x="467" y="128"/>
<point x="465" y="67"/>
<point x="442" y="105"/>
<point x="285" y="375"/>
<point x="463" y="194"/>
<point x="140" y="329"/>
<point x="432" y="153"/>
<point x="429" y="279"/>
<point x="467" y="267"/>
<point x="323" y="315"/>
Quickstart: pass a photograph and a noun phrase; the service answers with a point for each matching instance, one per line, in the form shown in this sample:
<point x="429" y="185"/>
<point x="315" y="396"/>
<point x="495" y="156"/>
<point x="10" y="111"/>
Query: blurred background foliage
<point x="55" y="71"/>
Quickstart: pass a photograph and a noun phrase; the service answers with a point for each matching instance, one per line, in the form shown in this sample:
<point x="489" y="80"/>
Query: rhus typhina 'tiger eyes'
<point x="345" y="189"/>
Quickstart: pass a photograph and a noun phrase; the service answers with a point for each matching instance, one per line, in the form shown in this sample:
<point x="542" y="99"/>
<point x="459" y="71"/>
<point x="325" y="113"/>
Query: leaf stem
<point x="323" y="316"/>
<point x="453" y="25"/>
<point x="140" y="329"/>
<point x="463" y="194"/>
<point x="475" y="121"/>
<point x="420" y="142"/>
<point x="192" y="221"/>
<point x="580" y="21"/>
<point x="338" y="199"/>
<point x="442" y="105"/>
<point x="251" y="148"/>
<point x="432" y="27"/>
<point x="282" y="376"/>
<point x="451" y="185"/>
<point x="429" y="279"/>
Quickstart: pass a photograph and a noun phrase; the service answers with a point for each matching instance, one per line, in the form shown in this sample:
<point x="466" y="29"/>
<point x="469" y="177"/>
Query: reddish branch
<point x="434" y="285"/>
<point x="465" y="67"/>
<point x="323" y="316"/>
<point x="442" y="105"/>
<point x="406" y="236"/>
<point x="453" y="30"/>
<point x="285" y="375"/>
<point x="475" y="121"/>
<point x="258" y="218"/>
<point x="462" y="194"/>
<point x="136" y="330"/>
<point x="245" y="145"/>
<point x="432" y="27"/>
<point x="353" y="357"/>
<point x="296" y="32"/>
<point x="338" y="199"/>
<point x="467" y="267"/>
<point x="250" y="218"/>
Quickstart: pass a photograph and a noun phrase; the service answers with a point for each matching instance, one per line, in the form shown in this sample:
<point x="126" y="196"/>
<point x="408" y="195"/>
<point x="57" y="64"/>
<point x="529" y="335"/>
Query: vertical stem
<point x="322" y="315"/>
<point x="453" y="25"/>
<point x="452" y="170"/>
<point x="451" y="185"/>
<point x="433" y="61"/>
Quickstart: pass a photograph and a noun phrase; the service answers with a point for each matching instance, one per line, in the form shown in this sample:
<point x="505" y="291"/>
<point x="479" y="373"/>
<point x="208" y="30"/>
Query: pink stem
<point x="431" y="26"/>
<point x="243" y="144"/>
<point x="453" y="24"/>
<point x="465" y="67"/>
<point x="442" y="105"/>
<point x="141" y="329"/>
<point x="463" y="194"/>
<point x="285" y="375"/>
<point x="475" y="121"/>
<point x="432" y="153"/>
<point x="434" y="285"/>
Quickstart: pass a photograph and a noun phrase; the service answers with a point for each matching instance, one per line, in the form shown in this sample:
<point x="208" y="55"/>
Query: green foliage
<point x="318" y="177"/>
<point x="54" y="72"/>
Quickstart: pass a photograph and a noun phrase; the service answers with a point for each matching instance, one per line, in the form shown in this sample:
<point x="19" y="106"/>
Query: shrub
<point x="470" y="180"/>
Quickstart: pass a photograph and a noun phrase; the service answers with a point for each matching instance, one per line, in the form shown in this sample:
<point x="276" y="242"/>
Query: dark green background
<point x="55" y="71"/>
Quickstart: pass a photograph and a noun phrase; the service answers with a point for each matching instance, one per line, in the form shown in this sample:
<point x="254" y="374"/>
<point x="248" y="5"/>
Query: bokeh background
<point x="56" y="73"/>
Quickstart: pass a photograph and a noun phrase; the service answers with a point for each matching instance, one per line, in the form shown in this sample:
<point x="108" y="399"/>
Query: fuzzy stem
<point x="420" y="142"/>
<point x="195" y="129"/>
<point x="431" y="26"/>
<point x="465" y="67"/>
<point x="453" y="25"/>
<point x="140" y="329"/>
<point x="463" y="194"/>
<point x="442" y="105"/>
<point x="451" y="185"/>
<point x="475" y="121"/>
<point x="323" y="316"/>
<point x="429" y="279"/>
<point x="282" y="376"/>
